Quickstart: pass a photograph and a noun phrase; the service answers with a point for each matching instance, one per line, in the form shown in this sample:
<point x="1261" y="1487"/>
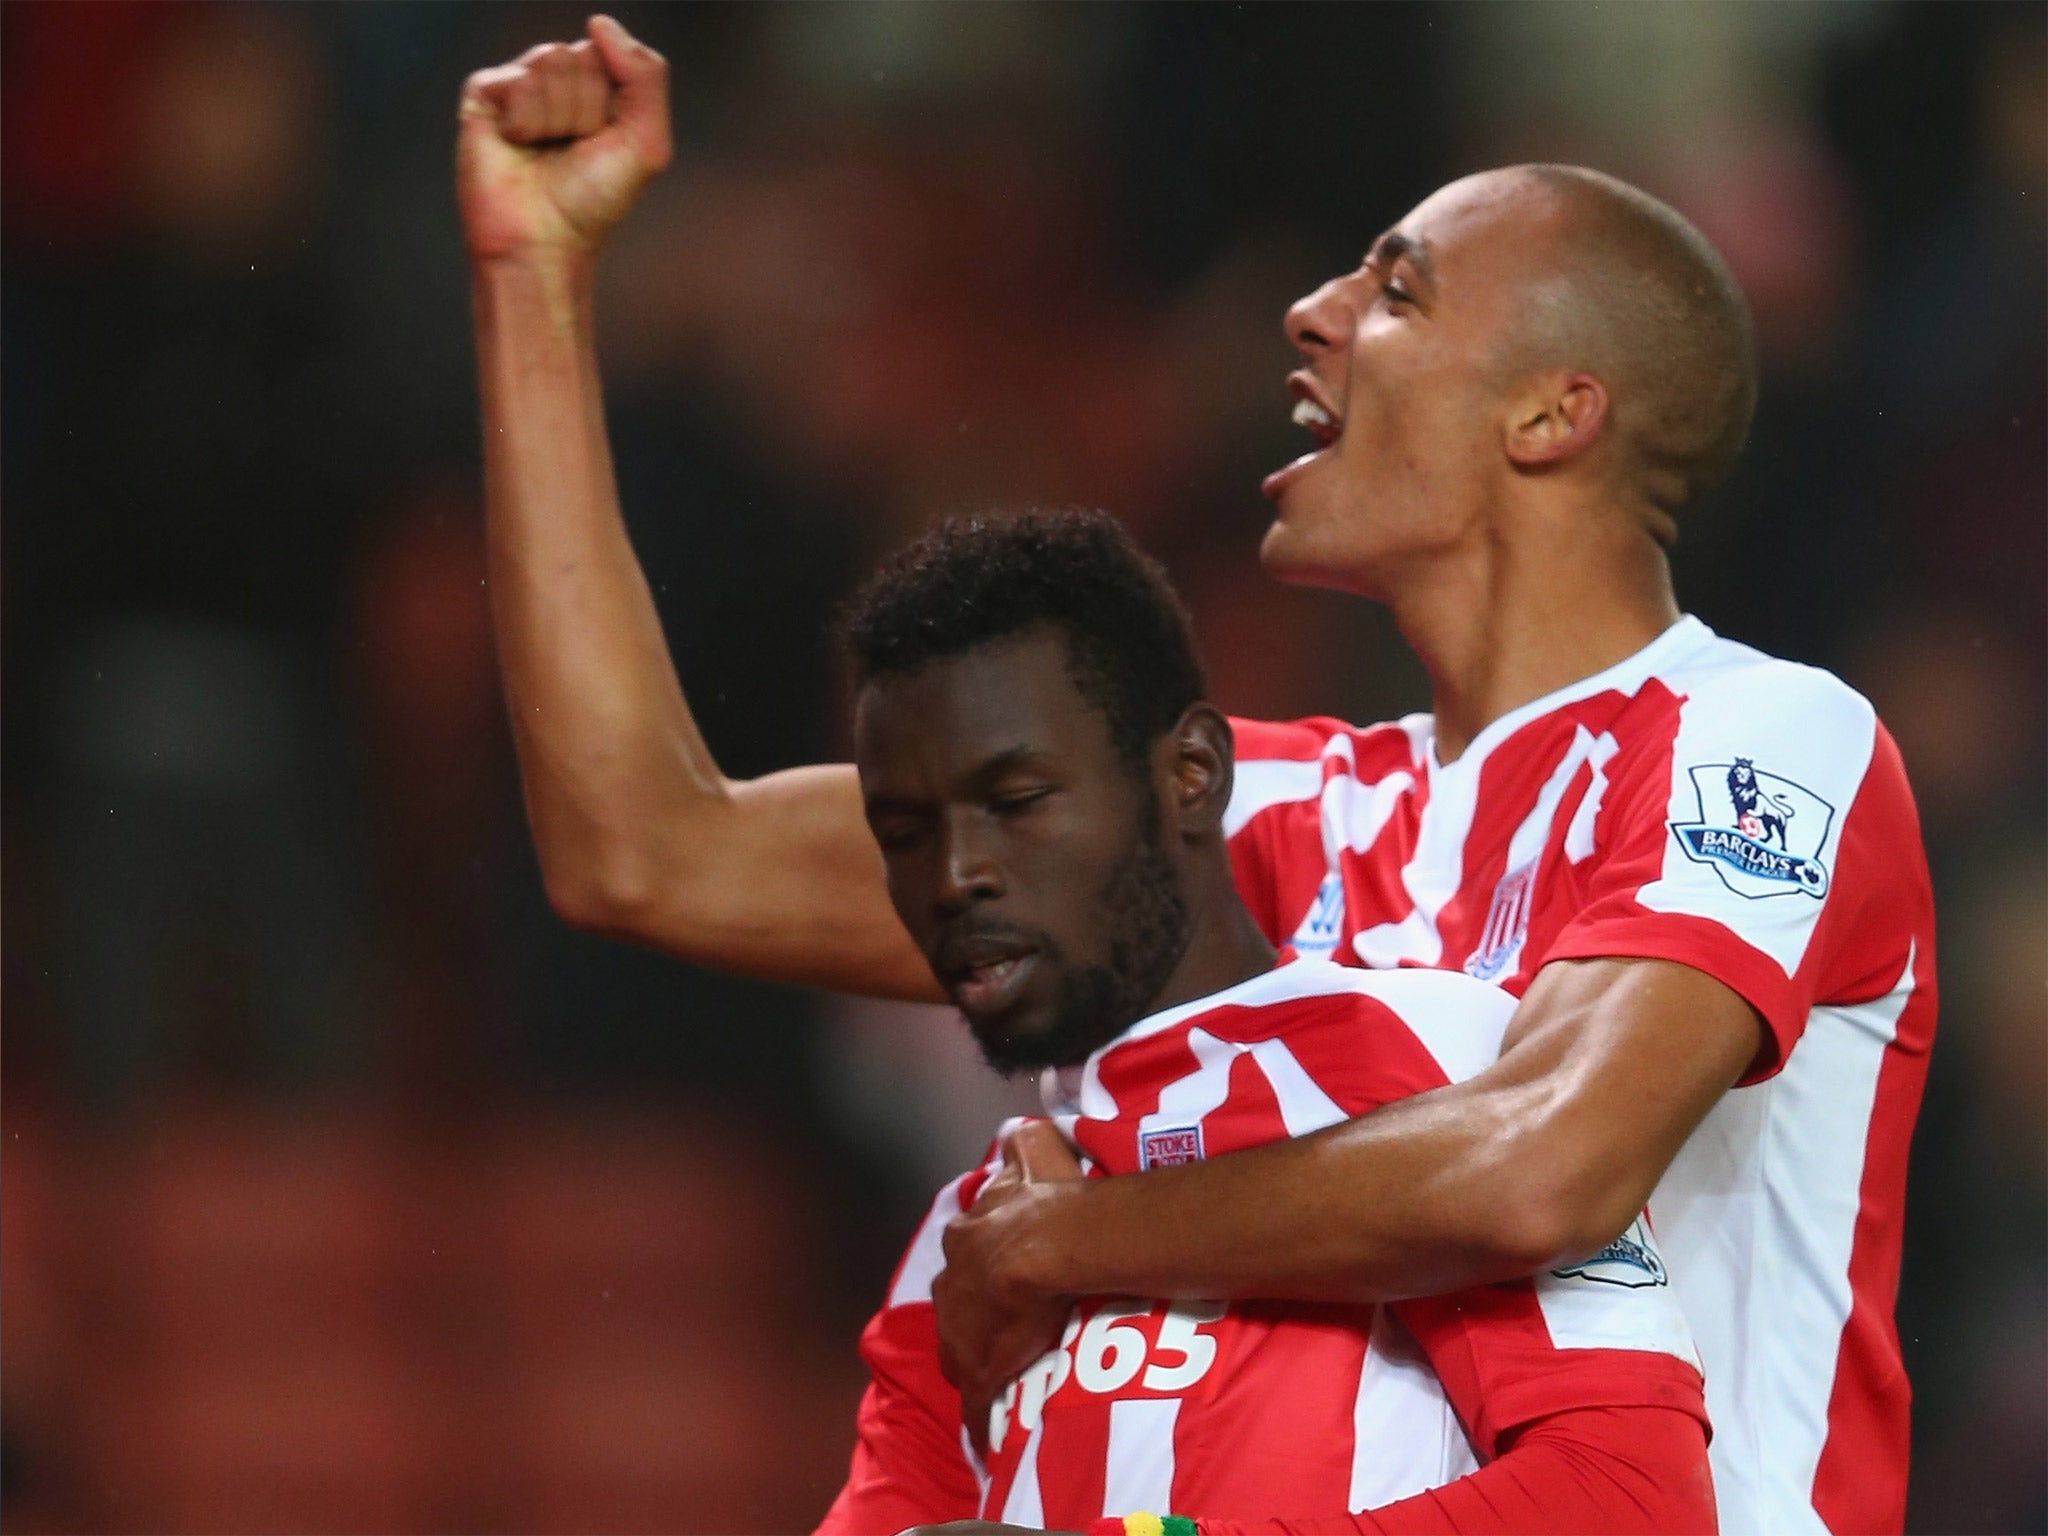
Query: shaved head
<point x="1634" y="295"/>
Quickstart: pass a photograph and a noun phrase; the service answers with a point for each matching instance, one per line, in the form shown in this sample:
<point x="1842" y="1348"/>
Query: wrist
<point x="552" y="289"/>
<point x="558" y="270"/>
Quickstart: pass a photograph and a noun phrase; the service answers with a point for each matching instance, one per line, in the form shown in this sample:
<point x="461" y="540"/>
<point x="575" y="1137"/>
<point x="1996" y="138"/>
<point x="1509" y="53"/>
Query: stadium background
<point x="343" y="1188"/>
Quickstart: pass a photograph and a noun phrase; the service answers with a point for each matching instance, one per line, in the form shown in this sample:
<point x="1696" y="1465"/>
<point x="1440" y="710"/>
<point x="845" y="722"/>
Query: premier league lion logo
<point x="1759" y="815"/>
<point x="1761" y="833"/>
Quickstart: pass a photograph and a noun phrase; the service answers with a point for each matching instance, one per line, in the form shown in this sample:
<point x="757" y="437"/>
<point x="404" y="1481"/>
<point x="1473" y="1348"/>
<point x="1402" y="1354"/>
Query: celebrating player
<point x="1048" y="791"/>
<point x="1726" y="1002"/>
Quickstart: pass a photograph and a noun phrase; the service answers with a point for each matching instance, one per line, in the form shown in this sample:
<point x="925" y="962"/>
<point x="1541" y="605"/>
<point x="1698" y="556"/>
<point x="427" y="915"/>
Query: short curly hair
<point x="973" y="580"/>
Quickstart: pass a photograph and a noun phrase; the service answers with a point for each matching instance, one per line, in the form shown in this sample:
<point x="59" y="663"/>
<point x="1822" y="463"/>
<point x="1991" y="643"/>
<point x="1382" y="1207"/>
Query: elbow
<point x="609" y="896"/>
<point x="1547" y="1222"/>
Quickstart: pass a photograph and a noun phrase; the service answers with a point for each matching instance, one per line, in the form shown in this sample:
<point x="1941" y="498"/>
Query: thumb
<point x="636" y="69"/>
<point x="639" y="76"/>
<point x="1039" y="1154"/>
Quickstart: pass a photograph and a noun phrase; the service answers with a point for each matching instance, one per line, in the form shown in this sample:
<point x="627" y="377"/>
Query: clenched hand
<point x="992" y="1323"/>
<point x="554" y="147"/>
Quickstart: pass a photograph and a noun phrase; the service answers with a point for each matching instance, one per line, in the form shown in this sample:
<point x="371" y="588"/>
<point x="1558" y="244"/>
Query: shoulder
<point x="1738" y="684"/>
<point x="1319" y="736"/>
<point x="1727" y="712"/>
<point x="1288" y="761"/>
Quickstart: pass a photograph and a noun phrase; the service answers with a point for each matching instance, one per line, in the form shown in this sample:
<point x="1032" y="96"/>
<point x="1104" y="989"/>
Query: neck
<point x="1225" y="946"/>
<point x="1568" y="595"/>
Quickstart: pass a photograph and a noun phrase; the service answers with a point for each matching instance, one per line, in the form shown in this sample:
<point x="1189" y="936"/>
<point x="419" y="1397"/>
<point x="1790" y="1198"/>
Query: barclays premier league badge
<point x="1631" y="1260"/>
<point x="1760" y="833"/>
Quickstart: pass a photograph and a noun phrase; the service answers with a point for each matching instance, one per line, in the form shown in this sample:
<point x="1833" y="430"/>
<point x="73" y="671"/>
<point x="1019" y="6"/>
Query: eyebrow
<point x="1394" y="246"/>
<point x="994" y="767"/>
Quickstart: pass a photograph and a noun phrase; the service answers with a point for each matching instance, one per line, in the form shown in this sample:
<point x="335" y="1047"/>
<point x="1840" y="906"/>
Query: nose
<point x="1319" y="321"/>
<point x="968" y="871"/>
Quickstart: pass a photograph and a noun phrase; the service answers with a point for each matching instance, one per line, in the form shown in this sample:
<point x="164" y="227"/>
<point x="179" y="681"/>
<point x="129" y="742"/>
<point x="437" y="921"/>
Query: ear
<point x="1555" y="416"/>
<point x="1199" y="770"/>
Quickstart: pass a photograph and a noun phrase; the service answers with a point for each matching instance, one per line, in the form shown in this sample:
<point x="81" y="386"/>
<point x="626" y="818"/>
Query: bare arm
<point x="1545" y="1156"/>
<point x="639" y="834"/>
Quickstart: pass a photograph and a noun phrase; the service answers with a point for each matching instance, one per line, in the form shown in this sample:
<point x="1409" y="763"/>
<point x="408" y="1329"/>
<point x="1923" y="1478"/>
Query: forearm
<point x="1418" y="1198"/>
<point x="1540" y="1158"/>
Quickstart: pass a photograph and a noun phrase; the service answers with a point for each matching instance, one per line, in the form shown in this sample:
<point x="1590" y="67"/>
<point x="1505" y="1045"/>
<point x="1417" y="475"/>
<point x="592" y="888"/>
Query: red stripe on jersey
<point x="1249" y="1117"/>
<point x="1280" y="1429"/>
<point x="1072" y="1480"/>
<point x="1860" y="1484"/>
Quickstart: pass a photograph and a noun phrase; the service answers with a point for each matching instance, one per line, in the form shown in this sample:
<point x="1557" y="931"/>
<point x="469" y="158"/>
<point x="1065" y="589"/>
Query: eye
<point x="1016" y="802"/>
<point x="1394" y="293"/>
<point x="897" y="834"/>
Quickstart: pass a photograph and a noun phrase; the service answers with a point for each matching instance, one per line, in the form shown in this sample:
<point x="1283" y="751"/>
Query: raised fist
<point x="555" y="146"/>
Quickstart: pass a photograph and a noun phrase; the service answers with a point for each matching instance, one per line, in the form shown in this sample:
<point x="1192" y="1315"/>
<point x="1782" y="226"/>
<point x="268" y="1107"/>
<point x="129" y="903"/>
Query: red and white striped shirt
<point x="1260" y="1409"/>
<point x="1702" y="803"/>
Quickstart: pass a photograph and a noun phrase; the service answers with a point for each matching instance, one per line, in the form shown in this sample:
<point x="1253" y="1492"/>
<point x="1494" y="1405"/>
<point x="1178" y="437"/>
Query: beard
<point x="1147" y="918"/>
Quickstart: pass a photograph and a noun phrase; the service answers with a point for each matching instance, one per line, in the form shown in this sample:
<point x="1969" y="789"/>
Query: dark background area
<point x="343" y="1187"/>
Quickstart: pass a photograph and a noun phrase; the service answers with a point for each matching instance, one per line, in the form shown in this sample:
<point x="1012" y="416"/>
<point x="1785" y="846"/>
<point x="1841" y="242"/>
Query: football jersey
<point x="1701" y="803"/>
<point x="1256" y="1409"/>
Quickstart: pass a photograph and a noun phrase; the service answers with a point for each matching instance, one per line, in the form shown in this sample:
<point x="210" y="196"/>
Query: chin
<point x="1013" y="1047"/>
<point x="1287" y="556"/>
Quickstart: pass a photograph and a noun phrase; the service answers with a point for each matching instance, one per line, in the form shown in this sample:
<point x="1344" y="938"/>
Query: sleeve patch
<point x="1761" y="833"/>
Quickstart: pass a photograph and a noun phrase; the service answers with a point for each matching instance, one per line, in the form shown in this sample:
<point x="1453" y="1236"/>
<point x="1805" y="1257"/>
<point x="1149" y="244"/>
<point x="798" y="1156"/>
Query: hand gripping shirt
<point x="1701" y="803"/>
<point x="1253" y="1409"/>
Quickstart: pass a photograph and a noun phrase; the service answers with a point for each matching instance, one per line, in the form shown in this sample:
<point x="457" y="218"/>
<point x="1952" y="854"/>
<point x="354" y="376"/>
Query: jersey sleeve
<point x="1760" y="849"/>
<point x="910" y="1461"/>
<point x="1606" y="1333"/>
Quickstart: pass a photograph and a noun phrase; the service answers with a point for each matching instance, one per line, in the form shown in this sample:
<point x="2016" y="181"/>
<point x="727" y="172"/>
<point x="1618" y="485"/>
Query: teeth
<point x="996" y="971"/>
<point x="1308" y="414"/>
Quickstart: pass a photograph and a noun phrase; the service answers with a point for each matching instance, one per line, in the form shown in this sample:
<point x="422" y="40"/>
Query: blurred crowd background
<point x="345" y="1189"/>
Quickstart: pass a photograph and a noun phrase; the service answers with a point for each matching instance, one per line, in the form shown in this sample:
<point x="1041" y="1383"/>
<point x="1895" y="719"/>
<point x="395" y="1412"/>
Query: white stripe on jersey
<point x="1432" y="874"/>
<point x="1457" y="1023"/>
<point x="927" y="1256"/>
<point x="1139" y="1475"/>
<point x="1816" y="1119"/>
<point x="1264" y="782"/>
<point x="1404" y="1436"/>
<point x="1023" y="1505"/>
<point x="1534" y="832"/>
<point x="1304" y="1107"/>
<point x="1188" y="1100"/>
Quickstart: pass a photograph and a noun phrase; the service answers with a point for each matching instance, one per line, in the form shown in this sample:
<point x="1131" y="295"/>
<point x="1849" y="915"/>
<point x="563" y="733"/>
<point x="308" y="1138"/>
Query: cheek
<point x="910" y="885"/>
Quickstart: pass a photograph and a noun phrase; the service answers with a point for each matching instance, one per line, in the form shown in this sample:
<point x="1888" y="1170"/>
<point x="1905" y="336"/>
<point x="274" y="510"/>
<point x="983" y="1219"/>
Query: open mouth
<point x="986" y="976"/>
<point x="1313" y="410"/>
<point x="1320" y="422"/>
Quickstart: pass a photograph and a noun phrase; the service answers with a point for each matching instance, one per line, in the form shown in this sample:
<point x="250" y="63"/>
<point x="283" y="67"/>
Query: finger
<point x="1039" y="1153"/>
<point x="974" y="1413"/>
<point x="557" y="95"/>
<point x="483" y="93"/>
<point x="577" y="88"/>
<point x="641" y="78"/>
<point x="593" y="90"/>
<point x="518" y="100"/>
